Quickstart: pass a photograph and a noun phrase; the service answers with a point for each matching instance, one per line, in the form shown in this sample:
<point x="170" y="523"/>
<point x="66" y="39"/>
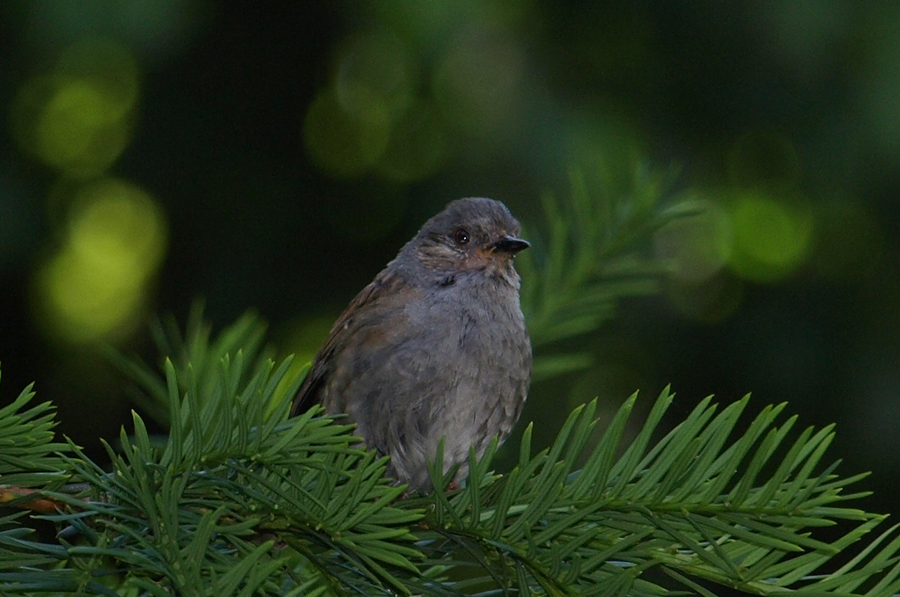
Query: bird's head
<point x="475" y="234"/>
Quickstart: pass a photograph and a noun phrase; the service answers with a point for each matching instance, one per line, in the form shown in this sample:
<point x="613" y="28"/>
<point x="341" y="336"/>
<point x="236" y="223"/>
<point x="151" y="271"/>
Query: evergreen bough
<point x="238" y="499"/>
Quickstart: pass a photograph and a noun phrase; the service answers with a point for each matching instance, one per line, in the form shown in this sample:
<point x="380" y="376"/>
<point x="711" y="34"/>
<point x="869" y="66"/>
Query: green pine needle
<point x="238" y="499"/>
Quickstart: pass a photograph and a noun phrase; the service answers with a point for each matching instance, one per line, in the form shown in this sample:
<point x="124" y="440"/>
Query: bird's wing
<point x="387" y="287"/>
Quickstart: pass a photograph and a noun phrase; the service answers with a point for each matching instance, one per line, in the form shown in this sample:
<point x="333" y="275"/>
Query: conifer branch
<point x="238" y="499"/>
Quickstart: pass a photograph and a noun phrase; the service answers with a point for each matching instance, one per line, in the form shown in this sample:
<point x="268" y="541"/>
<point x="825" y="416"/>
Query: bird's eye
<point x="461" y="237"/>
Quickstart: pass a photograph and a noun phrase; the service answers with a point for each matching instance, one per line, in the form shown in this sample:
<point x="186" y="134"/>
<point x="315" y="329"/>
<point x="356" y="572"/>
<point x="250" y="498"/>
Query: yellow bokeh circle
<point x="772" y="238"/>
<point x="79" y="117"/>
<point x="96" y="285"/>
<point x="342" y="143"/>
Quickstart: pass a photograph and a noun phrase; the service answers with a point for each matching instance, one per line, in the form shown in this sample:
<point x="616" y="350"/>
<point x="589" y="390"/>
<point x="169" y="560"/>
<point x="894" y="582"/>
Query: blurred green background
<point x="275" y="157"/>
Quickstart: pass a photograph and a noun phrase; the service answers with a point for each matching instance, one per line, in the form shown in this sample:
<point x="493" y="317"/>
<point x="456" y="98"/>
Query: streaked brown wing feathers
<point x="387" y="285"/>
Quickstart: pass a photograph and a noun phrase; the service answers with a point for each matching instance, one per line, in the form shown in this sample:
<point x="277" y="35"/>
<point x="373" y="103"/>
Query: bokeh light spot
<point x="341" y="143"/>
<point x="697" y="246"/>
<point x="96" y="285"/>
<point x="477" y="83"/>
<point x="603" y="144"/>
<point x="374" y="68"/>
<point x="82" y="304"/>
<point x="78" y="130"/>
<point x="119" y="228"/>
<point x="78" y="119"/>
<point x="416" y="147"/>
<point x="109" y="65"/>
<point x="771" y="238"/>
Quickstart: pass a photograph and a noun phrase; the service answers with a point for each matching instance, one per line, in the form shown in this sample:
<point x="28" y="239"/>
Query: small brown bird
<point x="435" y="347"/>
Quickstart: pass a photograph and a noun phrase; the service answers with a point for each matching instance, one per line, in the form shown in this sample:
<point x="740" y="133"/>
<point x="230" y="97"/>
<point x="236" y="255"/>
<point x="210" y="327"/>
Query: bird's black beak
<point x="510" y="244"/>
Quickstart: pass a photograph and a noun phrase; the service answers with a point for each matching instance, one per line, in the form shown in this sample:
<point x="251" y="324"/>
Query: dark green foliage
<point x="588" y="256"/>
<point x="694" y="505"/>
<point x="27" y="451"/>
<point x="238" y="499"/>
